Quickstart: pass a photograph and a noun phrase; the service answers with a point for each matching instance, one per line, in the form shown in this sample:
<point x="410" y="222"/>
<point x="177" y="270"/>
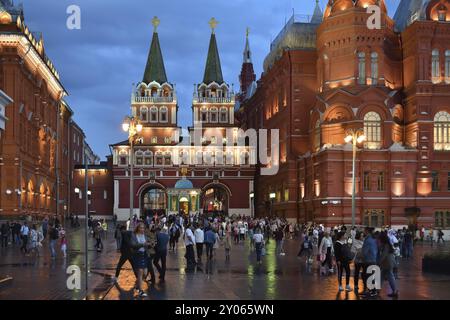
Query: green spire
<point x="213" y="70"/>
<point x="155" y="71"/>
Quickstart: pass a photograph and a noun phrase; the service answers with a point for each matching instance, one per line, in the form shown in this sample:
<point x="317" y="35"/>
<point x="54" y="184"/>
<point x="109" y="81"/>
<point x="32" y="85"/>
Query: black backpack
<point x="54" y="234"/>
<point x="346" y="252"/>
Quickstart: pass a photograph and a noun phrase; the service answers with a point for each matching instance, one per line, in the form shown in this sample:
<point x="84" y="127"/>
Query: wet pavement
<point x="279" y="277"/>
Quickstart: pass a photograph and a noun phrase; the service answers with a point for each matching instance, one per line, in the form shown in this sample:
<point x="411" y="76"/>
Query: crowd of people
<point x="145" y="244"/>
<point x="29" y="236"/>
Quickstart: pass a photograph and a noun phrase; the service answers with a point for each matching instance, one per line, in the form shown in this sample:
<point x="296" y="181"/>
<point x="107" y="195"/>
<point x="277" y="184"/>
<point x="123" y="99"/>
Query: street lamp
<point x="272" y="196"/>
<point x="252" y="197"/>
<point x="354" y="136"/>
<point x="133" y="127"/>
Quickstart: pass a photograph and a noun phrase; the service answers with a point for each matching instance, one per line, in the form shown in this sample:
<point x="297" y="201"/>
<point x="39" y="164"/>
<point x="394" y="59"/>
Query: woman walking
<point x="326" y="252"/>
<point x="139" y="244"/>
<point x="387" y="263"/>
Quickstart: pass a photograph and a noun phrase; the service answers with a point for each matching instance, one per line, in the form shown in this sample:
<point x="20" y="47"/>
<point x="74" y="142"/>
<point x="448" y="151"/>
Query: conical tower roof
<point x="318" y="14"/>
<point x="155" y="70"/>
<point x="213" y="69"/>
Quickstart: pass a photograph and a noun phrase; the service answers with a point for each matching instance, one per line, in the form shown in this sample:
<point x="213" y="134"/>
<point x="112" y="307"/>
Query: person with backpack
<point x="343" y="256"/>
<point x="54" y="236"/>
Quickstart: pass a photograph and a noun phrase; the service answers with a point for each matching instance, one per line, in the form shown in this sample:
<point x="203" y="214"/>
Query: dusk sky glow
<point x="99" y="63"/>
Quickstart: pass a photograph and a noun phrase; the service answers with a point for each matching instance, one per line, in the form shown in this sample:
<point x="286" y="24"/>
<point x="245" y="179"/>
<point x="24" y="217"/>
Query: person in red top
<point x="63" y="243"/>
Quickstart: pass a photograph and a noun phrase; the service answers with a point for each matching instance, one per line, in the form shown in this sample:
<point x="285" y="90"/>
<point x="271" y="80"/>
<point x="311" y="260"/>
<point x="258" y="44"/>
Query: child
<point x="63" y="242"/>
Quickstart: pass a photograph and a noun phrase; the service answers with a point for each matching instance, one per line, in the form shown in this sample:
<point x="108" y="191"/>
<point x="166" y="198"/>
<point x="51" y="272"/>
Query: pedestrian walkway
<point x="279" y="277"/>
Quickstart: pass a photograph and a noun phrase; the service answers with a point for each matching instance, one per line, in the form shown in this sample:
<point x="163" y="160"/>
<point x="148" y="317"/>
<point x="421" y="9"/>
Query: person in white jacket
<point x="326" y="252"/>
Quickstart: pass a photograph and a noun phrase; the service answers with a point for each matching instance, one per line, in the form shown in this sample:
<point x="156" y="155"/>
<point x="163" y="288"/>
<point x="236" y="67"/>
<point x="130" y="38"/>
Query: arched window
<point x="199" y="158"/>
<point x="184" y="157"/>
<point x="317" y="136"/>
<point x="144" y="114"/>
<point x="213" y="115"/>
<point x="159" y="158"/>
<point x="230" y="158"/>
<point x="245" y="158"/>
<point x="219" y="157"/>
<point x="372" y="130"/>
<point x="153" y="114"/>
<point x="139" y="158"/>
<point x="204" y="115"/>
<point x="374" y="67"/>
<point x="154" y="91"/>
<point x="148" y="158"/>
<point x="442" y="131"/>
<point x="435" y="67"/>
<point x="123" y="158"/>
<point x="361" y="68"/>
<point x="163" y="114"/>
<point x="223" y="115"/>
<point x="447" y="66"/>
<point x="168" y="158"/>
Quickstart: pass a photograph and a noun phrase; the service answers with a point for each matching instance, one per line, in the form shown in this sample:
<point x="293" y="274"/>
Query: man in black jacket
<point x="126" y="253"/>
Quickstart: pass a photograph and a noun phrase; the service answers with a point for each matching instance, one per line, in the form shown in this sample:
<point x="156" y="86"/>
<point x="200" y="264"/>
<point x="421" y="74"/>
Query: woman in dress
<point x="139" y="244"/>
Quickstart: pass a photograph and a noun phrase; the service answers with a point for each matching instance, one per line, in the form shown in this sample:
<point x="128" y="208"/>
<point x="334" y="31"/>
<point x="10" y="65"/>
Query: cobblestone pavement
<point x="279" y="277"/>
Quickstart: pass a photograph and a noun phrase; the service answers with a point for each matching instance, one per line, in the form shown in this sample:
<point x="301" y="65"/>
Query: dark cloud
<point x="99" y="63"/>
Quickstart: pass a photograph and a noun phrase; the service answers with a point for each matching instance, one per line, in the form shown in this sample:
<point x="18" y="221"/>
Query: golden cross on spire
<point x="155" y="23"/>
<point x="213" y="24"/>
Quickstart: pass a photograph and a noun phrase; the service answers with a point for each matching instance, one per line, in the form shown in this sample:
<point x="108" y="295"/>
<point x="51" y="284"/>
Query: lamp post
<point x="133" y="126"/>
<point x="252" y="197"/>
<point x="272" y="196"/>
<point x="354" y="136"/>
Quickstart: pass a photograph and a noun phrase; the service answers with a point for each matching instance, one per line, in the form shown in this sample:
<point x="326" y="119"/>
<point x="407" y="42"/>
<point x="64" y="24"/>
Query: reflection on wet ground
<point x="279" y="277"/>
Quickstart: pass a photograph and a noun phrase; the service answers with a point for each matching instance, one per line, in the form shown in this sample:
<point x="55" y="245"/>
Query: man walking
<point x="126" y="253"/>
<point x="199" y="239"/>
<point x="54" y="236"/>
<point x="210" y="240"/>
<point x="189" y="241"/>
<point x="162" y="241"/>
<point x="5" y="230"/>
<point x="24" y="232"/>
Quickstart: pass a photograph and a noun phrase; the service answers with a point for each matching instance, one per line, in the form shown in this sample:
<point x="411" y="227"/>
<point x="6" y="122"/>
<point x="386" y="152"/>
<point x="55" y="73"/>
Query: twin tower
<point x="154" y="100"/>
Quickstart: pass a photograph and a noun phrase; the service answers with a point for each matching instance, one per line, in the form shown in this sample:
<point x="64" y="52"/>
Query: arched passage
<point x="153" y="200"/>
<point x="215" y="199"/>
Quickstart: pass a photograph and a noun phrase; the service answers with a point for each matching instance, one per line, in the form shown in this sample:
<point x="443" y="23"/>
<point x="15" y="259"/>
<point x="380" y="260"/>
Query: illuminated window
<point x="139" y="158"/>
<point x="447" y="66"/>
<point x="361" y="68"/>
<point x="435" y="67"/>
<point x="159" y="159"/>
<point x="435" y="181"/>
<point x="317" y="136"/>
<point x="148" y="158"/>
<point x="366" y="180"/>
<point x="154" y="140"/>
<point x="144" y="114"/>
<point x="168" y="159"/>
<point x="380" y="182"/>
<point x="163" y="114"/>
<point x="123" y="158"/>
<point x="213" y="115"/>
<point x="286" y="194"/>
<point x="154" y="114"/>
<point x="372" y="130"/>
<point x="374" y="67"/>
<point x="442" y="131"/>
<point x="223" y="115"/>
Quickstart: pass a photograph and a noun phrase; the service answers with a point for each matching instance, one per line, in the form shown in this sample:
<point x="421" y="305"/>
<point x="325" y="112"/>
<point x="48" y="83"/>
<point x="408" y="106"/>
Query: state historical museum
<point x="329" y="73"/>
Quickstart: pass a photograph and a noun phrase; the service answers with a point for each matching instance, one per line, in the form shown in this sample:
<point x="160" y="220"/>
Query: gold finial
<point x="213" y="24"/>
<point x="155" y="23"/>
<point x="248" y="31"/>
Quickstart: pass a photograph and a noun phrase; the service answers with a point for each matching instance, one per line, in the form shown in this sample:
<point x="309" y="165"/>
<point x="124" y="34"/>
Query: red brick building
<point x="35" y="159"/>
<point x="172" y="173"/>
<point x="327" y="75"/>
